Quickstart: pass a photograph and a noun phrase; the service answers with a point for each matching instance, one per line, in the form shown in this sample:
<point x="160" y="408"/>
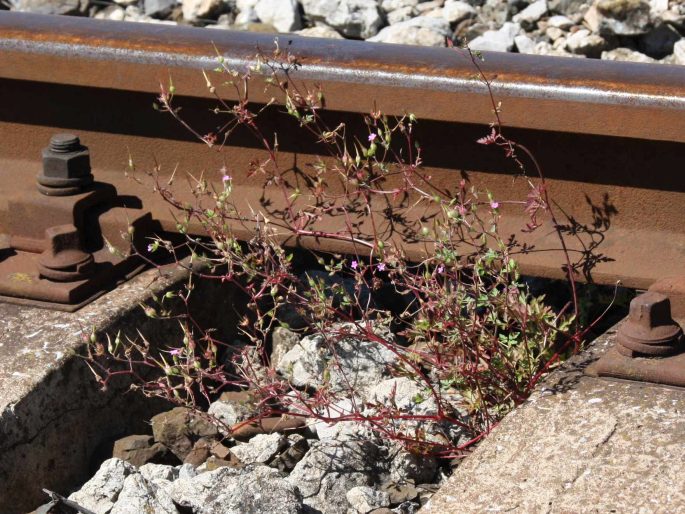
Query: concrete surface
<point x="579" y="444"/>
<point x="55" y="423"/>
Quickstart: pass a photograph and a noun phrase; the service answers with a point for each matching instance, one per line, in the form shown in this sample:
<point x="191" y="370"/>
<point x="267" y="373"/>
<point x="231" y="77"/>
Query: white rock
<point x="318" y="31"/>
<point x="393" y="5"/>
<point x="455" y="11"/>
<point x="422" y="31"/>
<point x="111" y="12"/>
<point x="658" y="6"/>
<point x="228" y="490"/>
<point x="623" y="17"/>
<point x="679" y="52"/>
<point x="544" y="48"/>
<point x="284" y="15"/>
<point x="501" y="40"/>
<point x="101" y="491"/>
<point x="524" y="44"/>
<point x="304" y="364"/>
<point x="559" y="21"/>
<point x="400" y="15"/>
<point x="585" y="43"/>
<point x="330" y="469"/>
<point x="138" y="496"/>
<point x="625" y="54"/>
<point x="364" y="499"/>
<point x="260" y="449"/>
<point x="531" y="14"/>
<point x="194" y="9"/>
<point x="228" y="413"/>
<point x="159" y="8"/>
<point x="405" y="394"/>
<point x="186" y="471"/>
<point x="554" y="33"/>
<point x="352" y="18"/>
<point x="156" y="472"/>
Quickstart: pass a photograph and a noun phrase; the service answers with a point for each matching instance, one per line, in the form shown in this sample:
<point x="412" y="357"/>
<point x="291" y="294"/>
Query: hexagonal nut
<point x="66" y="165"/>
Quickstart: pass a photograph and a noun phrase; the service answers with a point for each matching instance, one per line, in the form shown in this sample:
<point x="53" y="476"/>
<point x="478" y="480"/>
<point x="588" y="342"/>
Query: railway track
<point x="610" y="137"/>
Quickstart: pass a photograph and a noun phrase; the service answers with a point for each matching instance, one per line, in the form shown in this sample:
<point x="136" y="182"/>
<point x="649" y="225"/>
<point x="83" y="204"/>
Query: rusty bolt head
<point x="650" y="329"/>
<point x="64" y="260"/>
<point x="66" y="166"/>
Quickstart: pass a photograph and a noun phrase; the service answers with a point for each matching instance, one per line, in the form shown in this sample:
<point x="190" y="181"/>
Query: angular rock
<point x="399" y="493"/>
<point x="410" y="468"/>
<point x="584" y="43"/>
<point x="282" y="339"/>
<point x="284" y="15"/>
<point x="69" y="7"/>
<point x="626" y="54"/>
<point x="332" y="468"/>
<point x="139" y="450"/>
<point x="140" y="496"/>
<point x="456" y="11"/>
<point x="352" y="18"/>
<point x="194" y="9"/>
<point x="158" y="8"/>
<point x="364" y="499"/>
<point x="100" y="493"/>
<point x="623" y="17"/>
<point x="524" y="44"/>
<point x="298" y="446"/>
<point x="679" y="52"/>
<point x="199" y="453"/>
<point x="659" y="41"/>
<point x="421" y="31"/>
<point x="531" y="14"/>
<point x="232" y="407"/>
<point x="400" y="15"/>
<point x="559" y="21"/>
<point x="230" y="461"/>
<point x="111" y="12"/>
<point x="186" y="471"/>
<point x="494" y="12"/>
<point x="501" y="40"/>
<point x="158" y="472"/>
<point x="177" y="428"/>
<point x="261" y="449"/>
<point x="237" y="491"/>
<point x="393" y="5"/>
<point x="554" y="33"/>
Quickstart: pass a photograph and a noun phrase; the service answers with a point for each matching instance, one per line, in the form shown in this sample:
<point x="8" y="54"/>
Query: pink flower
<point x="175" y="351"/>
<point x="441" y="269"/>
<point x="494" y="205"/>
<point x="381" y="266"/>
<point x="225" y="178"/>
<point x="372" y="137"/>
<point x="354" y="265"/>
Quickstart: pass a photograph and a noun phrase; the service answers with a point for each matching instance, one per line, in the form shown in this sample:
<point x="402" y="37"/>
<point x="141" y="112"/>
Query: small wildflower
<point x="372" y="138"/>
<point x="441" y="269"/>
<point x="381" y="266"/>
<point x="150" y="248"/>
<point x="175" y="351"/>
<point x="354" y="265"/>
<point x="494" y="205"/>
<point x="225" y="178"/>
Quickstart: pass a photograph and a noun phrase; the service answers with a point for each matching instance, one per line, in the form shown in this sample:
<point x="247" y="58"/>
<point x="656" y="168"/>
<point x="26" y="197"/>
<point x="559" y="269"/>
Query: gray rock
<point x="531" y="14"/>
<point x="111" y="12"/>
<point x="567" y="7"/>
<point x="400" y="15"/>
<point x="332" y="468"/>
<point x="501" y="40"/>
<point x="323" y="31"/>
<point x="140" y="496"/>
<point x="158" y="472"/>
<point x="422" y="31"/>
<point x="544" y="48"/>
<point x="260" y="449"/>
<point x="524" y="44"/>
<point x="584" y="43"/>
<point x="138" y="449"/>
<point x="282" y="14"/>
<point x="626" y="54"/>
<point x="659" y="41"/>
<point x="72" y="7"/>
<point x="186" y="471"/>
<point x="393" y="5"/>
<point x="456" y="11"/>
<point x="158" y="8"/>
<point x="228" y="490"/>
<point x="554" y="33"/>
<point x="495" y="12"/>
<point x="100" y="493"/>
<point x="623" y="17"/>
<point x="352" y="18"/>
<point x="679" y="52"/>
<point x="304" y="364"/>
<point x="364" y="499"/>
<point x="231" y="408"/>
<point x="283" y="340"/>
<point x="176" y="428"/>
<point x="194" y="9"/>
<point x="407" y="467"/>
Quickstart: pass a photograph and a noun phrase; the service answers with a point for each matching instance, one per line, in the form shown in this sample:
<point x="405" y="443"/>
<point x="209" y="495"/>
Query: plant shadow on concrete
<point x="427" y="352"/>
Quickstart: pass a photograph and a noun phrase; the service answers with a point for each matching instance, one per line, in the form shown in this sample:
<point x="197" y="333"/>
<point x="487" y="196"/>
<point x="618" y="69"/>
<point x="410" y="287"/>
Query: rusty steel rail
<point x="610" y="136"/>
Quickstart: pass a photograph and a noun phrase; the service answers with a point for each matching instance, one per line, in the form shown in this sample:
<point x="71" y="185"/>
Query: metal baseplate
<point x="650" y="345"/>
<point x="61" y="243"/>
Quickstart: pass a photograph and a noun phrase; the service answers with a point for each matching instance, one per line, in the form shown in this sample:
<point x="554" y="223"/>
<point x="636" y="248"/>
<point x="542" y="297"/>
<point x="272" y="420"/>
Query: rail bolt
<point x="650" y="330"/>
<point x="64" y="260"/>
<point x="66" y="166"/>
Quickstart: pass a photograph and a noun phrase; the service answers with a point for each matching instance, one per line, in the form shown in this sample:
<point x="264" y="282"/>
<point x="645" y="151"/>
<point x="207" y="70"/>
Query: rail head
<point x="585" y="96"/>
